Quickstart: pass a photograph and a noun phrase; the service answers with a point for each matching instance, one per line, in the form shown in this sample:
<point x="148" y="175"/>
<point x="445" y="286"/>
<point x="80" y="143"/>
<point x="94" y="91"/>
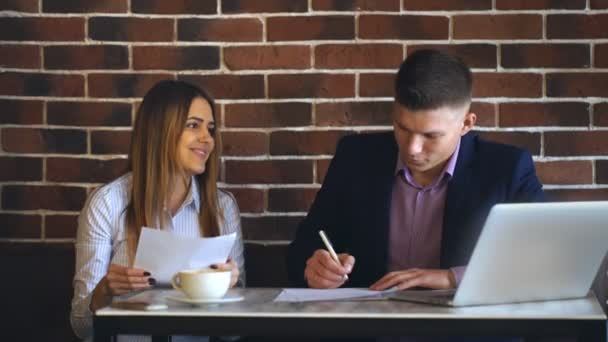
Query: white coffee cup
<point x="202" y="283"/>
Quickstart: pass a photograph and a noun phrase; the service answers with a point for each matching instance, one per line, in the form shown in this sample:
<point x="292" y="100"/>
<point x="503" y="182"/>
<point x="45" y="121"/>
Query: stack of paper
<point x="163" y="254"/>
<point x="311" y="295"/>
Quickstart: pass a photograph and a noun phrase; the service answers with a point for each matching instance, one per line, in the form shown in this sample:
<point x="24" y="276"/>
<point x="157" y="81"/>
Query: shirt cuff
<point x="82" y="318"/>
<point x="458" y="273"/>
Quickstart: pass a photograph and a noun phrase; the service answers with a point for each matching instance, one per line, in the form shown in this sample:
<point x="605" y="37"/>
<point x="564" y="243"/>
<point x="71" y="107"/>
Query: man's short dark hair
<point x="430" y="79"/>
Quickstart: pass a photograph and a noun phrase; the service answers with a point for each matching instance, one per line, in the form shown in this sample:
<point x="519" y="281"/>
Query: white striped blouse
<point x="101" y="240"/>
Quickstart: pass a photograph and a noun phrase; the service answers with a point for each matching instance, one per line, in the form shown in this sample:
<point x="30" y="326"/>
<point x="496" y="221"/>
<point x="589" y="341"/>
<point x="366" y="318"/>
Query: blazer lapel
<point x="383" y="199"/>
<point x="458" y="188"/>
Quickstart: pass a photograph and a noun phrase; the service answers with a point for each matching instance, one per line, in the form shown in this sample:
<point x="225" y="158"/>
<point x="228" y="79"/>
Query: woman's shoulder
<point x="113" y="194"/>
<point x="226" y="199"/>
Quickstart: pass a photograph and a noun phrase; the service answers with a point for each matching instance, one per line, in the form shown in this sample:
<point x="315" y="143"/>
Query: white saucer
<point x="227" y="299"/>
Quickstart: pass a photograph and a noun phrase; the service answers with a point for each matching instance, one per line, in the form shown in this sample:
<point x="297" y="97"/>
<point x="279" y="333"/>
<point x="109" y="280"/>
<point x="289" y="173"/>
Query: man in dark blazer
<point x="405" y="208"/>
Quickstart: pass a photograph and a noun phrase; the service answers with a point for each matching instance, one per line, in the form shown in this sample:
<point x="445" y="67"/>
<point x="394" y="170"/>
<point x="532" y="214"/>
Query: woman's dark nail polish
<point x="152" y="281"/>
<point x="146" y="273"/>
<point x="213" y="267"/>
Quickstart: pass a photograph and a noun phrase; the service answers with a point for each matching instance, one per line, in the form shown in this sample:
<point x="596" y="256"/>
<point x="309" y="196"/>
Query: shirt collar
<point x="193" y="195"/>
<point x="448" y="170"/>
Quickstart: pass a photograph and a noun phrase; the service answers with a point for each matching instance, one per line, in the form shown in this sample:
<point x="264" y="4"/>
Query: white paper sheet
<point x="163" y="254"/>
<point x="312" y="295"/>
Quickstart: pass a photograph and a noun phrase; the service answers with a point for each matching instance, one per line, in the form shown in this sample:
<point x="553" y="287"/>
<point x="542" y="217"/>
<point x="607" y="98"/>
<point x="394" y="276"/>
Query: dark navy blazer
<point x="353" y="205"/>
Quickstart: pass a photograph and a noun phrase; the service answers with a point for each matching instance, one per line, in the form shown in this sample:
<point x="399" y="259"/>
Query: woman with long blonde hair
<point x="171" y="185"/>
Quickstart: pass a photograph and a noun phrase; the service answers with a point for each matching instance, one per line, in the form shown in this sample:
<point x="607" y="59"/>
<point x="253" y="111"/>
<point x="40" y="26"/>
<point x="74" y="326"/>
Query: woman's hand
<point x="232" y="266"/>
<point x="119" y="280"/>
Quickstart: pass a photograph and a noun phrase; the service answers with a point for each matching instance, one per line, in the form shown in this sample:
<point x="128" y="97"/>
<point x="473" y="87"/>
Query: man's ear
<point x="468" y="123"/>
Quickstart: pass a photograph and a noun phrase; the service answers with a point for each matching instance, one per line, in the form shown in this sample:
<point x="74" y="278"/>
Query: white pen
<point x="330" y="248"/>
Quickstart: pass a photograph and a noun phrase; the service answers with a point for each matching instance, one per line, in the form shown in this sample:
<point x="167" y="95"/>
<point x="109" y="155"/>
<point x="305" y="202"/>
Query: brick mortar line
<point x="58" y="155"/>
<point x="305" y="129"/>
<point x="38" y="240"/>
<point x="272" y="72"/>
<point x="73" y="156"/>
<point x="124" y="100"/>
<point x="71" y="127"/>
<point x="544" y="26"/>
<point x="130" y="56"/>
<point x="44" y="170"/>
<point x="295" y="186"/>
<point x="38" y="212"/>
<point x="355" y="41"/>
<point x="41" y="51"/>
<point x="266" y="86"/>
<point x="175" y="29"/>
<point x="51" y="183"/>
<point x="450" y="30"/>
<point x="266" y="157"/>
<point x="222" y="63"/>
<point x="86" y="86"/>
<point x="542" y="145"/>
<point x="264" y="30"/>
<point x="401" y="13"/>
<point x="222" y="110"/>
<point x="132" y="100"/>
<point x="86" y="28"/>
<point x="499" y="58"/>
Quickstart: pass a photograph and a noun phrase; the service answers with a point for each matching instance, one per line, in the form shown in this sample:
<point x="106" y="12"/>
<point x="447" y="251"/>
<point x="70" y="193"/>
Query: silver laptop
<point x="530" y="252"/>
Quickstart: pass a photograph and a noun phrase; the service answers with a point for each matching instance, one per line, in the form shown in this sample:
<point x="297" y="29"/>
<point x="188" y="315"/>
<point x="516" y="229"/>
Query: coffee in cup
<point x="204" y="283"/>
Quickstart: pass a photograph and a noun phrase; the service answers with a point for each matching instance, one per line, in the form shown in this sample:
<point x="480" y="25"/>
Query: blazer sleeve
<point x="526" y="185"/>
<point x="323" y="214"/>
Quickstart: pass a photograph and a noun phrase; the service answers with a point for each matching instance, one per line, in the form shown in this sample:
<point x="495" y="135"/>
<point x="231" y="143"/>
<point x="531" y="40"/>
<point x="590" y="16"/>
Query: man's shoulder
<point x="496" y="149"/>
<point x="497" y="156"/>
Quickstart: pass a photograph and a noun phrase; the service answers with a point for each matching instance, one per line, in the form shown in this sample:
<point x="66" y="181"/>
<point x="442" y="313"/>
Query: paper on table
<point x="163" y="254"/>
<point x="312" y="295"/>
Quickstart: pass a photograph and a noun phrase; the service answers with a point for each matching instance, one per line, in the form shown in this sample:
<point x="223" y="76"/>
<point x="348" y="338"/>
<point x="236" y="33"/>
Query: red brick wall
<point x="291" y="78"/>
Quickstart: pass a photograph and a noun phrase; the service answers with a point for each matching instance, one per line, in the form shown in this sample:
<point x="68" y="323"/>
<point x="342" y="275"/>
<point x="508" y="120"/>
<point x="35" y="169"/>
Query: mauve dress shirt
<point x="416" y="221"/>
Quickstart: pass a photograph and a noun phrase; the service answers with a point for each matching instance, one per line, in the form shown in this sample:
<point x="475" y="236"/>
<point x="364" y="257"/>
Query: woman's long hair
<point x="153" y="162"/>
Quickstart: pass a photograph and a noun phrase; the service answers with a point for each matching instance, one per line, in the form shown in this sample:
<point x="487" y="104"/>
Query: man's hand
<point x="323" y="272"/>
<point x="429" y="278"/>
